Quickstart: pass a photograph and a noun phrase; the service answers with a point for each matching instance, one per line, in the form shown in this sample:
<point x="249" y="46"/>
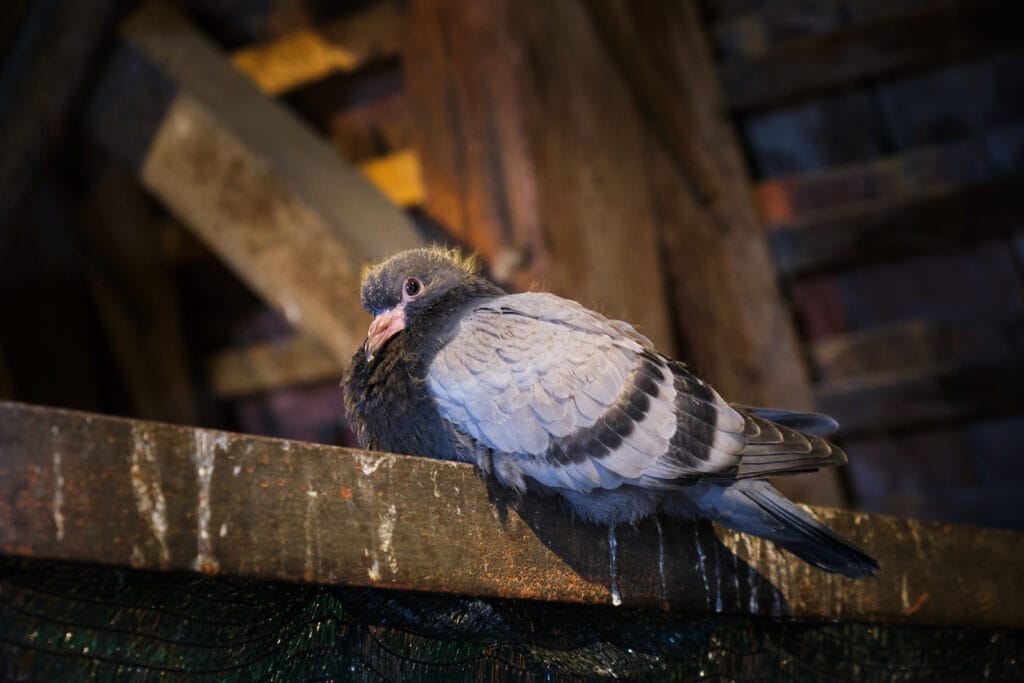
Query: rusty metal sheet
<point x="85" y="487"/>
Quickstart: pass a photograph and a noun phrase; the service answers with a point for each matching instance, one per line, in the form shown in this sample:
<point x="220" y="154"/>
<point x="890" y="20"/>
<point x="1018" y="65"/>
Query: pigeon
<point x="550" y="397"/>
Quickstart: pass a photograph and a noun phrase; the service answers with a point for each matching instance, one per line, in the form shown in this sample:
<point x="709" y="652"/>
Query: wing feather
<point x="548" y="390"/>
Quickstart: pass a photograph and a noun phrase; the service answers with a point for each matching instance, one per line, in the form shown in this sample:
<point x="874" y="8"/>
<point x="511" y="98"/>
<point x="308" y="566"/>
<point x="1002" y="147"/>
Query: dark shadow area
<point x="659" y="562"/>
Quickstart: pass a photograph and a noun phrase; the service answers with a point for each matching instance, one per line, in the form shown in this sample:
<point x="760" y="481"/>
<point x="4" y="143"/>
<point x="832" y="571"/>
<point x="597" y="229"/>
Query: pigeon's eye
<point x="412" y="287"/>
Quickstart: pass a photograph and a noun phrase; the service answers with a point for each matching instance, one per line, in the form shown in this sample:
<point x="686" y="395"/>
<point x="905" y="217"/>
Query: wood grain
<point x="77" y="486"/>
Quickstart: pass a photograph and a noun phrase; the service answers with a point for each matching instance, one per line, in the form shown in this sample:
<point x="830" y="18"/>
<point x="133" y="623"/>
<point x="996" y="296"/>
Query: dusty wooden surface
<point x="268" y="196"/>
<point x="85" y="487"/>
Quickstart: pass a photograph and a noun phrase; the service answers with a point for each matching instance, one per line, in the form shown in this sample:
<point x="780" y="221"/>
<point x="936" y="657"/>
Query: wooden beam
<point x="41" y="81"/>
<point x="309" y="54"/>
<point x="76" y="486"/>
<point x="942" y="219"/>
<point x="895" y="43"/>
<point x="271" y="365"/>
<point x="269" y="197"/>
<point x="916" y="346"/>
<point x="929" y="169"/>
<point x="733" y="320"/>
<point x="903" y="400"/>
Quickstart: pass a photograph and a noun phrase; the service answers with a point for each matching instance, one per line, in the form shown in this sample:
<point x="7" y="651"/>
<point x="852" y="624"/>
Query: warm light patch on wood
<point x="300" y="57"/>
<point x="397" y="176"/>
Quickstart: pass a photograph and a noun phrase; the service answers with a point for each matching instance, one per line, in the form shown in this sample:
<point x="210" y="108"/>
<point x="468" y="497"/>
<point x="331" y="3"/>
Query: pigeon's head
<point x="396" y="292"/>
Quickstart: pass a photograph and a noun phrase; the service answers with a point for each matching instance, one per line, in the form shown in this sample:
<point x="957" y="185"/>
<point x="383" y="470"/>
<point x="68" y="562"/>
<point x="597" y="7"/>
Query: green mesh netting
<point x="62" y="621"/>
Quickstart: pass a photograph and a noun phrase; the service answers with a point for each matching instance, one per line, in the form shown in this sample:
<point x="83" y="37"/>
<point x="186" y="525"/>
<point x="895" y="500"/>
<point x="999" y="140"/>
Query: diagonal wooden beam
<point x="77" y="486"/>
<point x="266" y="194"/>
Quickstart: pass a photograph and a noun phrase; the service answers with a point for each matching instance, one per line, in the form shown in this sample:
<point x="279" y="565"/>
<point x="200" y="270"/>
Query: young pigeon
<point x="550" y="397"/>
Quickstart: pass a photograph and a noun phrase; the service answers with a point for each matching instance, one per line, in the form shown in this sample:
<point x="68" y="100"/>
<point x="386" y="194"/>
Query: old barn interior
<point x="814" y="203"/>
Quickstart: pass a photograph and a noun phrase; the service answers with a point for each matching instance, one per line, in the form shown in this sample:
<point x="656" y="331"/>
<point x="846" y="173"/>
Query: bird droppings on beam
<point x="82" y="487"/>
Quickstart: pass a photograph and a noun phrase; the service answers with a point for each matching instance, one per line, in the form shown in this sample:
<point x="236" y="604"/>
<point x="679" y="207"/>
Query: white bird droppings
<point x="58" y="494"/>
<point x="613" y="566"/>
<point x="149" y="496"/>
<point x="205" y="456"/>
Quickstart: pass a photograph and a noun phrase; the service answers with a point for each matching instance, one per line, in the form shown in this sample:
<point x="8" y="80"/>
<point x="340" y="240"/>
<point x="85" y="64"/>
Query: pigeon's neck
<point x="395" y="411"/>
<point x="436" y="326"/>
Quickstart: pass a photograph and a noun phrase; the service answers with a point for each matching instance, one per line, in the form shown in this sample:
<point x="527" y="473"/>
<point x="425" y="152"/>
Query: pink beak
<point x="384" y="327"/>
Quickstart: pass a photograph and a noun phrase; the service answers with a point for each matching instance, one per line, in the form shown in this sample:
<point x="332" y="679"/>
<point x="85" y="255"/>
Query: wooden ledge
<point x="83" y="487"/>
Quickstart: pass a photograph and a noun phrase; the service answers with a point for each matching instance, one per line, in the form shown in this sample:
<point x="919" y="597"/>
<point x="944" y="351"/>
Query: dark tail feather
<point x="809" y="423"/>
<point x="806" y="537"/>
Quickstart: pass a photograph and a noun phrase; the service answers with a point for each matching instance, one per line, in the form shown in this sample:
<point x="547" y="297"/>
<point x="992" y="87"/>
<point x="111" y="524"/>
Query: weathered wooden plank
<point x="788" y="199"/>
<point x="309" y="54"/>
<point x="934" y="221"/>
<point x="891" y="44"/>
<point x="271" y="365"/>
<point x="754" y="30"/>
<point x="85" y="487"/>
<point x="40" y="80"/>
<point x="269" y="197"/>
<point x="906" y="399"/>
<point x="917" y="345"/>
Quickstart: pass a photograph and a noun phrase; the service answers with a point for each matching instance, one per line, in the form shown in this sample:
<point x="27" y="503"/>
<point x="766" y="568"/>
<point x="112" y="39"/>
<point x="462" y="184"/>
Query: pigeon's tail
<point x="754" y="507"/>
<point x="809" y="539"/>
<point x="782" y="442"/>
<point x="809" y="423"/>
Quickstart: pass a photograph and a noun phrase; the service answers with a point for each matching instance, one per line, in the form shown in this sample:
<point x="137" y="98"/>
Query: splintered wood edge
<point x="129" y="493"/>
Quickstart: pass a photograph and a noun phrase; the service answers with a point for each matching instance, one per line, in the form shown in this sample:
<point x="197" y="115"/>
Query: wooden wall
<point x="603" y="150"/>
<point x="887" y="142"/>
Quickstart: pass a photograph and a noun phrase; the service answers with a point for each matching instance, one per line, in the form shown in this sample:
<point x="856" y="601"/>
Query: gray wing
<point x="561" y="394"/>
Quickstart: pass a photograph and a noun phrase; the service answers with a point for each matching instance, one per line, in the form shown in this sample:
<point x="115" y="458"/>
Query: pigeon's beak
<point x="384" y="327"/>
